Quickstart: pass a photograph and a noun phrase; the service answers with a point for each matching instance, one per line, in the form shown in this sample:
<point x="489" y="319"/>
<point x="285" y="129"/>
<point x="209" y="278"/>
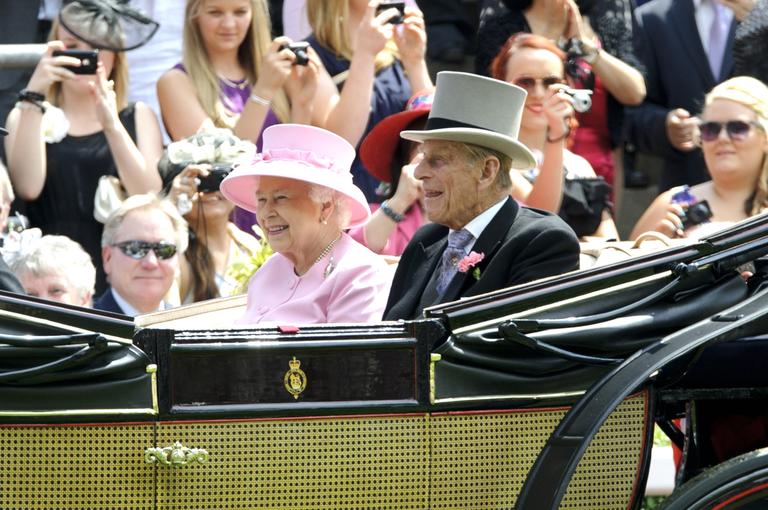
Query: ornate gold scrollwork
<point x="176" y="456"/>
<point x="295" y="379"/>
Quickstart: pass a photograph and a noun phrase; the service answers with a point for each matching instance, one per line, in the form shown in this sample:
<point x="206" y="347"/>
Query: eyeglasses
<point x="139" y="249"/>
<point x="737" y="129"/>
<point x="529" y="84"/>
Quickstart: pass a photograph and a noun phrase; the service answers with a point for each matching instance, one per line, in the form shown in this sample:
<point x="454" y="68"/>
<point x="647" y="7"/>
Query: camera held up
<point x="581" y="99"/>
<point x="400" y="6"/>
<point x="300" y="50"/>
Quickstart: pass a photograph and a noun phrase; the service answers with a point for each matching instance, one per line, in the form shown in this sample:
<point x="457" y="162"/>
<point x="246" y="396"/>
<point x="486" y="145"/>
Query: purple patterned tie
<point x="717" y="35"/>
<point x="456" y="250"/>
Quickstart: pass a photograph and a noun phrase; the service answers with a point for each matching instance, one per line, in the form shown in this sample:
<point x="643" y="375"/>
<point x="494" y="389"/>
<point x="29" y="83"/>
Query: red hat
<point x="378" y="148"/>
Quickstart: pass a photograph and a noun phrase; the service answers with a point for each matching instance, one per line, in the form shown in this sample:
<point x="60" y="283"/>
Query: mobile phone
<point x="400" y="6"/>
<point x="89" y="59"/>
<point x="300" y="50"/>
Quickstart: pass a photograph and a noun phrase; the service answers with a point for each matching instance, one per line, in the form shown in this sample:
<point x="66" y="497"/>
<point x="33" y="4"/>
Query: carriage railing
<point x="740" y="243"/>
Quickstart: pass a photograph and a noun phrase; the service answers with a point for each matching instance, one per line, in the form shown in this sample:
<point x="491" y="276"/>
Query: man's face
<point x="451" y="184"/>
<point x="142" y="282"/>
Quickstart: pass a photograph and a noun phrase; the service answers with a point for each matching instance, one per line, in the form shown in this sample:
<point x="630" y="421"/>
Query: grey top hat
<point x="482" y="111"/>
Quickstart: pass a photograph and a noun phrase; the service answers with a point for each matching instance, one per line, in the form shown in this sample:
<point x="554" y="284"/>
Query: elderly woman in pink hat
<point x="301" y="189"/>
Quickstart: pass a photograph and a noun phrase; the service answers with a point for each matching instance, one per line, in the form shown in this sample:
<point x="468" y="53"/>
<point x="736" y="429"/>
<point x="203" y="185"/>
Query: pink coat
<point x="355" y="290"/>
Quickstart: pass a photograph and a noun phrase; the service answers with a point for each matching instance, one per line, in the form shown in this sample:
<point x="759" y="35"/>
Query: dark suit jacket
<point x="520" y="245"/>
<point x="677" y="76"/>
<point x="8" y="280"/>
<point x="107" y="302"/>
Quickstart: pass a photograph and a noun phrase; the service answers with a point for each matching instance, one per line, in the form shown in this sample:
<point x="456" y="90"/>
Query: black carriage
<point x="540" y="396"/>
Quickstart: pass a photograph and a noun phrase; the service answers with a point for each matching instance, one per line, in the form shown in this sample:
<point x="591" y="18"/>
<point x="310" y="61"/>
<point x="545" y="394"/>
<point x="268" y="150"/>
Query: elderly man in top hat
<point x="480" y="239"/>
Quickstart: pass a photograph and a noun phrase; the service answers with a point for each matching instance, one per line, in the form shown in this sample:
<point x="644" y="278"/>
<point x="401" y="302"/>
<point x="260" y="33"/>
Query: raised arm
<point x="411" y="40"/>
<point x="25" y="147"/>
<point x="347" y="114"/>
<point x="136" y="162"/>
<point x="623" y="81"/>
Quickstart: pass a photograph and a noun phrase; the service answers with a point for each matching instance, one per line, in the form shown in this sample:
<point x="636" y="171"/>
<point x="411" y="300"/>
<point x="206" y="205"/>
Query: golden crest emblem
<point x="295" y="379"/>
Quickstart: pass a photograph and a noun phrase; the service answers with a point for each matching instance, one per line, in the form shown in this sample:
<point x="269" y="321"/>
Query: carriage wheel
<point x="741" y="482"/>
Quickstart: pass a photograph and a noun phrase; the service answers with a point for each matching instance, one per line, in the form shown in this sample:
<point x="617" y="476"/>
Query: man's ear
<point x="489" y="170"/>
<point x="106" y="256"/>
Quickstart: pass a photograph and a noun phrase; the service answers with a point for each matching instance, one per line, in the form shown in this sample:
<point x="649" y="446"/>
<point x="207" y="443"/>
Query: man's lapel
<point x="683" y="15"/>
<point x="421" y="276"/>
<point x="488" y="243"/>
<point x="726" y="69"/>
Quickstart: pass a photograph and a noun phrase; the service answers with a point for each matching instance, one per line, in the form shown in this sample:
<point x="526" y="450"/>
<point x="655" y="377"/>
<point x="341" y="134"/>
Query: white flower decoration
<point x="214" y="146"/>
<point x="54" y="123"/>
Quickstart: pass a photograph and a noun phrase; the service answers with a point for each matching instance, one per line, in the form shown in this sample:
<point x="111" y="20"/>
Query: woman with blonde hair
<point x="376" y="58"/>
<point x="232" y="74"/>
<point x="733" y="136"/>
<point x="70" y="128"/>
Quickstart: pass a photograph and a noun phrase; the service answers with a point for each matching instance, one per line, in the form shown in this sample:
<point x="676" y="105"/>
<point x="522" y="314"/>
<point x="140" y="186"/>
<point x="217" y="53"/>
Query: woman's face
<point x="224" y="24"/>
<point x="290" y="219"/>
<point x="738" y="156"/>
<point x="55" y="287"/>
<point x="106" y="57"/>
<point x="209" y="206"/>
<point x="534" y="69"/>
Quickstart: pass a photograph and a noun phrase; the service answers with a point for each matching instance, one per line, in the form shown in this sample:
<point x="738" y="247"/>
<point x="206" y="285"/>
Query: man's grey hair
<point x="58" y="255"/>
<point x="146" y="201"/>
<point x="321" y="194"/>
<point x="476" y="153"/>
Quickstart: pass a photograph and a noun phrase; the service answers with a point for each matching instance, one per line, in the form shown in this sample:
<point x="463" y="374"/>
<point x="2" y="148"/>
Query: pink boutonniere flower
<point x="469" y="262"/>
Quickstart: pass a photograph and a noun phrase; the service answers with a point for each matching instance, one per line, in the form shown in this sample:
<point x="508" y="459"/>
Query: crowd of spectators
<point x="323" y="93"/>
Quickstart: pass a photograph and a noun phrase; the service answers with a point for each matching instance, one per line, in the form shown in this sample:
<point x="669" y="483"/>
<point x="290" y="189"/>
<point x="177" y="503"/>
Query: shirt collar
<point x="478" y="224"/>
<point x="130" y="310"/>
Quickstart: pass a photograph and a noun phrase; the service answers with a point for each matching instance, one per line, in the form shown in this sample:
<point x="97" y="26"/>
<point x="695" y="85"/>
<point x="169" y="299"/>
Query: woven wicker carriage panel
<point x="480" y="460"/>
<point x="76" y="467"/>
<point x="339" y="463"/>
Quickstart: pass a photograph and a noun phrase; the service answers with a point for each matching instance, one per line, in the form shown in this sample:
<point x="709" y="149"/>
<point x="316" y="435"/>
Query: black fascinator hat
<point x="107" y="24"/>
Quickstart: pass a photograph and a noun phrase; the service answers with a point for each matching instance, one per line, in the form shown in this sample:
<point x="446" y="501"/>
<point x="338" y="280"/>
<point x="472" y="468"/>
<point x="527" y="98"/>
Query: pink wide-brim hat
<point x="304" y="153"/>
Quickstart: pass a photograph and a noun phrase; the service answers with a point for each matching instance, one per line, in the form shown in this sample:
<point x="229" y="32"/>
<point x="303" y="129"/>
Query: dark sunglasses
<point x="139" y="249"/>
<point x="530" y="83"/>
<point x="736" y="129"/>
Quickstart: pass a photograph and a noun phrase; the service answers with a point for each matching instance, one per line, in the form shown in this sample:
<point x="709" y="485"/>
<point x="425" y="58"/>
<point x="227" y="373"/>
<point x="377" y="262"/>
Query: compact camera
<point x="89" y="59"/>
<point x="300" y="50"/>
<point x="400" y="6"/>
<point x="212" y="182"/>
<point x="696" y="214"/>
<point x="581" y="99"/>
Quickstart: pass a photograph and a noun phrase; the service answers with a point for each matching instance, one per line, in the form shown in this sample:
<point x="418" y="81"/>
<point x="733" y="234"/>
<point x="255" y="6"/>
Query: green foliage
<point x="660" y="438"/>
<point x="652" y="502"/>
<point x="243" y="271"/>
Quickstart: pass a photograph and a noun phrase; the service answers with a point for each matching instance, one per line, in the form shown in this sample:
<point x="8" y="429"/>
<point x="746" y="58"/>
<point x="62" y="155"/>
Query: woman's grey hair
<point x="146" y="201"/>
<point x="321" y="194"/>
<point x="58" y="255"/>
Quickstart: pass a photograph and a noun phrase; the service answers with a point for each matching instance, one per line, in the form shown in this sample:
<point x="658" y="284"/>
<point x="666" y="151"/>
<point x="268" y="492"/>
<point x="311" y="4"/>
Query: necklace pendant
<point x="329" y="268"/>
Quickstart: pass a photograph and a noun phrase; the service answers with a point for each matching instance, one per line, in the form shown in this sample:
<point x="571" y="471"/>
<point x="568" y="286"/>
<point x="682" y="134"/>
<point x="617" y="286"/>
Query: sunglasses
<point x="139" y="249"/>
<point x="530" y="83"/>
<point x="737" y="129"/>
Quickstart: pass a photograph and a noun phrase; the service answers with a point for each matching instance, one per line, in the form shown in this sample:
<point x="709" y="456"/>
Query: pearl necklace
<point x="331" y="266"/>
